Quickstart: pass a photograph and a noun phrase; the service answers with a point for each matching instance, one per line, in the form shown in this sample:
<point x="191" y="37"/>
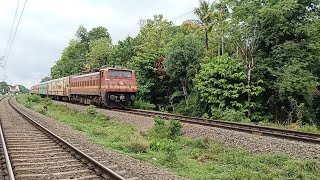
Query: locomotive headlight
<point x="112" y="97"/>
<point x="132" y="97"/>
<point x="122" y="97"/>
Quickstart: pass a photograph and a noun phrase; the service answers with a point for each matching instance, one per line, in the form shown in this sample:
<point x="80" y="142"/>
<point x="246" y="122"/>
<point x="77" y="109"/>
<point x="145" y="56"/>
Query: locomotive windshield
<point x="119" y="73"/>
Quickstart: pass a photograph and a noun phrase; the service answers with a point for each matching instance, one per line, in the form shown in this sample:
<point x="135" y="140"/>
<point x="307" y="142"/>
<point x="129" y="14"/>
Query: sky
<point x="47" y="26"/>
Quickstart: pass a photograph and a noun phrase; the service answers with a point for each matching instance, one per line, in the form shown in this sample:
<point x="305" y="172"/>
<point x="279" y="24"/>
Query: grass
<point x="199" y="158"/>
<point x="295" y="127"/>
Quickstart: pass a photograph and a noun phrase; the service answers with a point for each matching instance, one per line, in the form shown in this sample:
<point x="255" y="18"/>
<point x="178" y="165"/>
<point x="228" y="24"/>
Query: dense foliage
<point x="246" y="60"/>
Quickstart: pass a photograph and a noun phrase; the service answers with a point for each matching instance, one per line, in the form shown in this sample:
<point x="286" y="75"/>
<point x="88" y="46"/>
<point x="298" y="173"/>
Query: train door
<point x="101" y="77"/>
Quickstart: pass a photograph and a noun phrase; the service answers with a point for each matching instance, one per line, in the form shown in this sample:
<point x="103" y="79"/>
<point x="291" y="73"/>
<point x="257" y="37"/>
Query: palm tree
<point x="204" y="13"/>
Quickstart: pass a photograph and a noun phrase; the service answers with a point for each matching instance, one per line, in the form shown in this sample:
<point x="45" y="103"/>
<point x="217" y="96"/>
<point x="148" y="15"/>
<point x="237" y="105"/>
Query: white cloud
<point x="48" y="25"/>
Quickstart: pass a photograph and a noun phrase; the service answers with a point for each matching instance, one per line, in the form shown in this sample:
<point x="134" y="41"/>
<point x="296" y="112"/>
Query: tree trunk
<point x="218" y="48"/>
<point x="222" y="45"/>
<point x="249" y="92"/>
<point x="184" y="89"/>
<point x="207" y="40"/>
<point x="249" y="77"/>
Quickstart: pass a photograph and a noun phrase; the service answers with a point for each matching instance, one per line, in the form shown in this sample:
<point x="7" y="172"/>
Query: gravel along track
<point x="34" y="155"/>
<point x="234" y="139"/>
<point x="126" y="166"/>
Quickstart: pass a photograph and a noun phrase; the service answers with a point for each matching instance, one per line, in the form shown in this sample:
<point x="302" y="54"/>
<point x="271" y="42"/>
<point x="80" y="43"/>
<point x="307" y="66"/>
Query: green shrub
<point x="138" y="145"/>
<point x="202" y="143"/>
<point x="171" y="152"/>
<point x="174" y="129"/>
<point x="159" y="130"/>
<point x="91" y="110"/>
<point x="140" y="104"/>
<point x="155" y="145"/>
<point x="33" y="98"/>
<point x="48" y="101"/>
<point x="42" y="111"/>
<point x="28" y="104"/>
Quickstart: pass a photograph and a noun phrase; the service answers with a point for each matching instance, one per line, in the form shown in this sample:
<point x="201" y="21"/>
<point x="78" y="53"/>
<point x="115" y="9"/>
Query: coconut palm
<point x="204" y="13"/>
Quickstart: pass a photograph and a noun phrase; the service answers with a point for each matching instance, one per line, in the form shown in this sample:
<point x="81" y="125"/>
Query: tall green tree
<point x="154" y="35"/>
<point x="184" y="54"/>
<point x="123" y="53"/>
<point x="99" y="52"/>
<point x="77" y="56"/>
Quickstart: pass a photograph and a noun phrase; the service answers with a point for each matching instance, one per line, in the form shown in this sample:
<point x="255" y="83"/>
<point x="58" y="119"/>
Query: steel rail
<point x="249" y="128"/>
<point x="99" y="168"/>
<point x="5" y="153"/>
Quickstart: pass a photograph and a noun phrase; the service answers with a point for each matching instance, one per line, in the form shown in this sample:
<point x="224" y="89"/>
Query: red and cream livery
<point x="111" y="87"/>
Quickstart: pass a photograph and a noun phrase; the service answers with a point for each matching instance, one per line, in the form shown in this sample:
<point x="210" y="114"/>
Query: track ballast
<point x="31" y="151"/>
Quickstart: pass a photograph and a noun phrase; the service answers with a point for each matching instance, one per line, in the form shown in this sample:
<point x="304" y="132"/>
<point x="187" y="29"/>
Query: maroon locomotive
<point x="110" y="87"/>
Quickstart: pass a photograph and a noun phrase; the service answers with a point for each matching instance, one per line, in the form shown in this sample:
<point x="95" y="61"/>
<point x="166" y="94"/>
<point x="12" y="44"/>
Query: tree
<point x="99" y="52"/>
<point x="245" y="36"/>
<point x="99" y="32"/>
<point x="45" y="79"/>
<point x="123" y="53"/>
<point x="184" y="54"/>
<point x="23" y="89"/>
<point x="204" y="13"/>
<point x="221" y="83"/>
<point x="71" y="61"/>
<point x="4" y="87"/>
<point x="74" y="58"/>
<point x="151" y="41"/>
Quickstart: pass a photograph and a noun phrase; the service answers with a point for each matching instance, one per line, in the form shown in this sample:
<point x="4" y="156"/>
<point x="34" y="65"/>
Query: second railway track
<point x="33" y="152"/>
<point x="249" y="128"/>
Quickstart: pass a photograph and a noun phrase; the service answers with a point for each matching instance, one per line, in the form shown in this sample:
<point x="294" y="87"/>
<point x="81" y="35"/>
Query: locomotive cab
<point x="119" y="87"/>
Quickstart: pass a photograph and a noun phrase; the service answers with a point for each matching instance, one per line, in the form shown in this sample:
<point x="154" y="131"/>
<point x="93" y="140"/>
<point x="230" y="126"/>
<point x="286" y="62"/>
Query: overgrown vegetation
<point x="163" y="145"/>
<point x="247" y="60"/>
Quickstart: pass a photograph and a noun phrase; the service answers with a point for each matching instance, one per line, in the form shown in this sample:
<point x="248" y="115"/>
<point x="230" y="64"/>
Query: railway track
<point x="30" y="151"/>
<point x="254" y="129"/>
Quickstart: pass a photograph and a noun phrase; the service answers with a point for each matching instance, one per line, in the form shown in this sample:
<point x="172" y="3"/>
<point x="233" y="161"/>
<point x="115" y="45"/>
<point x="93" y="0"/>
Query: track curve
<point x="33" y="152"/>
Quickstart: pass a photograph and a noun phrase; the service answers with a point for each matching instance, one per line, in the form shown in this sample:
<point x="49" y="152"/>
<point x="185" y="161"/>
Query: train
<point x="110" y="87"/>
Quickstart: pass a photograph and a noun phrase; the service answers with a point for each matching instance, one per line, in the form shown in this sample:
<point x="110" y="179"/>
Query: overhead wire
<point x="181" y="15"/>
<point x="14" y="35"/>
<point x="11" y="30"/>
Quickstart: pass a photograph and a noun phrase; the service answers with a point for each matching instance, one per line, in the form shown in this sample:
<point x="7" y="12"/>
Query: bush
<point x="91" y="110"/>
<point x="229" y="115"/>
<point x="155" y="145"/>
<point x="140" y="104"/>
<point x="138" y="145"/>
<point x="171" y="152"/>
<point x="48" y="101"/>
<point x="159" y="129"/>
<point x="42" y="111"/>
<point x="175" y="129"/>
<point x="202" y="143"/>
<point x="33" y="98"/>
<point x="28" y="104"/>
